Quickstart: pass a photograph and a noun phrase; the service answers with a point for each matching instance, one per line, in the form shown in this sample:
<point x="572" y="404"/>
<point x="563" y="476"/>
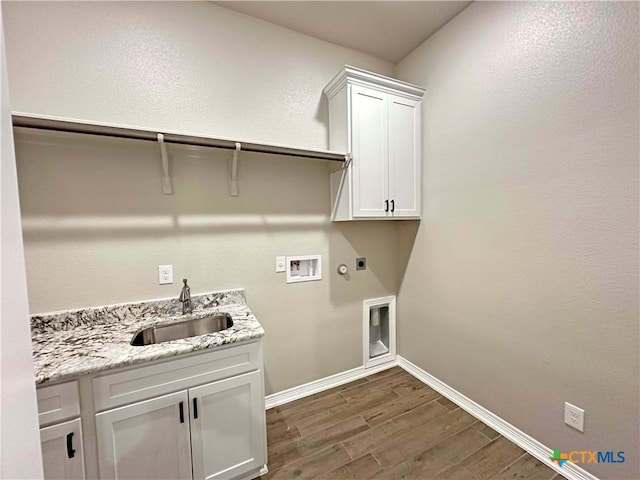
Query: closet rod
<point x="131" y="133"/>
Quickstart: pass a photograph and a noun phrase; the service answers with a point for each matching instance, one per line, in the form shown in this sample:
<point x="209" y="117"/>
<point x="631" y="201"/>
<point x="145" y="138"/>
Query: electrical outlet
<point x="574" y="416"/>
<point x="165" y="274"/>
<point x="281" y="264"/>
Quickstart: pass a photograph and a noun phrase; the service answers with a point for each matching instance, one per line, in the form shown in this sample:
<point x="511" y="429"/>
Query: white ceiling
<point x="387" y="29"/>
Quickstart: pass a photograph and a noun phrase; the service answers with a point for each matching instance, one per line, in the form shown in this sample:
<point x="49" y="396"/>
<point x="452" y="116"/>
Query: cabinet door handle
<point x="70" y="451"/>
<point x="386" y="205"/>
<point x="181" y="407"/>
<point x="195" y="408"/>
<point x="393" y="205"/>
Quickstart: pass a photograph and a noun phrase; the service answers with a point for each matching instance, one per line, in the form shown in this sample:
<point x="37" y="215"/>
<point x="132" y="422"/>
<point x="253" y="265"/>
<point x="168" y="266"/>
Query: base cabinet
<point x="212" y="427"/>
<point x="62" y="455"/>
<point x="61" y="431"/>
<point x="148" y="439"/>
<point x="206" y="432"/>
<point x="227" y="434"/>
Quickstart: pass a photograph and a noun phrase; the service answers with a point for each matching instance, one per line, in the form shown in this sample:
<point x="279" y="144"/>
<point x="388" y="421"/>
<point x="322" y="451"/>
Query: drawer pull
<point x="70" y="451"/>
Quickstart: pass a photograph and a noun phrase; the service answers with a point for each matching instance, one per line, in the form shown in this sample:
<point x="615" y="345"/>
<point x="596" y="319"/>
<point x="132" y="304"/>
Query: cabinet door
<point x="62" y="450"/>
<point x="404" y="157"/>
<point x="148" y="439"/>
<point x="228" y="433"/>
<point x="369" y="146"/>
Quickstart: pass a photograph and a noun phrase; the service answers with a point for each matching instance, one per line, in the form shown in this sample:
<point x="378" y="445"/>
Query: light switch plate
<point x="281" y="264"/>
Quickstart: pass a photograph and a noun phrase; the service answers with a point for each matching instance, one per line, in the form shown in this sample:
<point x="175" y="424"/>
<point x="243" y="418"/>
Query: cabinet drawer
<point x="140" y="383"/>
<point x="58" y="402"/>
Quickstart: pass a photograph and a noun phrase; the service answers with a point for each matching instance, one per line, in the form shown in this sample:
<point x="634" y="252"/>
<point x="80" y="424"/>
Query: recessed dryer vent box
<point x="304" y="268"/>
<point x="379" y="334"/>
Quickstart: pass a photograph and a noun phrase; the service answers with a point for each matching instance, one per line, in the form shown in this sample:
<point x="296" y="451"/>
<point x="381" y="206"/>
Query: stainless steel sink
<point x="184" y="329"/>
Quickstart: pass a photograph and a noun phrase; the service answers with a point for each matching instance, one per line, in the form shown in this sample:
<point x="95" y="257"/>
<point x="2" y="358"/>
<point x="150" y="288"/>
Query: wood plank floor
<point x="385" y="426"/>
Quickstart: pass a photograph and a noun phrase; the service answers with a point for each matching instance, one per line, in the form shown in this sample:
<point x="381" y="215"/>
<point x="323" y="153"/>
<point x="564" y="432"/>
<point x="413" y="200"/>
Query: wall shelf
<point x="162" y="138"/>
<point x="49" y="123"/>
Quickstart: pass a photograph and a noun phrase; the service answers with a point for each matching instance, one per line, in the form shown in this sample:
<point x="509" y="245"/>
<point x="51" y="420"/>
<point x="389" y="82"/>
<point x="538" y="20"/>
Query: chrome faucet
<point x="185" y="298"/>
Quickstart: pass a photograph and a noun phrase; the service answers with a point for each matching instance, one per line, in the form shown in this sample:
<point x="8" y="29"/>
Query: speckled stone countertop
<point x="72" y="343"/>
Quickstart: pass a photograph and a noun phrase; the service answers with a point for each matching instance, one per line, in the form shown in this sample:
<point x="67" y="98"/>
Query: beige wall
<point x="95" y="223"/>
<point x="185" y="66"/>
<point x="521" y="289"/>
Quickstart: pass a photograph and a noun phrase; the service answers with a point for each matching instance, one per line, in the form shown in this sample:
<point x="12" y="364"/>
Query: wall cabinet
<point x="378" y="120"/>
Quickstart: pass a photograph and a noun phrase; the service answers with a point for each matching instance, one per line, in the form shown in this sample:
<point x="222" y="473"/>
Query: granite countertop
<point x="72" y="343"/>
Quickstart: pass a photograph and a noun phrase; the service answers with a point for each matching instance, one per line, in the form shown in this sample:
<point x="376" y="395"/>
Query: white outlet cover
<point x="281" y="264"/>
<point x="574" y="416"/>
<point x="165" y="274"/>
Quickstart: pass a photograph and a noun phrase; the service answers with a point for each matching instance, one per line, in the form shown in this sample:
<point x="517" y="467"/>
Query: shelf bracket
<point x="166" y="173"/>
<point x="347" y="160"/>
<point x="233" y="181"/>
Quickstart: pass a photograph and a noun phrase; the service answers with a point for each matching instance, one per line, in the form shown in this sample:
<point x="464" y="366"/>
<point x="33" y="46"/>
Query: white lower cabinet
<point x="206" y="432"/>
<point x="148" y="439"/>
<point x="211" y="428"/>
<point x="227" y="430"/>
<point x="62" y="456"/>
<point x="60" y="433"/>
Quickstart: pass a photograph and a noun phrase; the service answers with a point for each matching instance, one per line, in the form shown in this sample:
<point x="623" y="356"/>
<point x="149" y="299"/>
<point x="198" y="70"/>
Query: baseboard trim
<point x="530" y="445"/>
<point x="322" y="384"/>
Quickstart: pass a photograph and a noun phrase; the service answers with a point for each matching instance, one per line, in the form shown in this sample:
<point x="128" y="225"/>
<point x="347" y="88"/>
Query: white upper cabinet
<point x="377" y="120"/>
<point x="369" y="144"/>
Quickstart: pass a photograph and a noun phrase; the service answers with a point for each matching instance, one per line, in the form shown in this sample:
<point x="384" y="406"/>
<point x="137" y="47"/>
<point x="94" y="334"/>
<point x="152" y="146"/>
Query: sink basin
<point x="184" y="329"/>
